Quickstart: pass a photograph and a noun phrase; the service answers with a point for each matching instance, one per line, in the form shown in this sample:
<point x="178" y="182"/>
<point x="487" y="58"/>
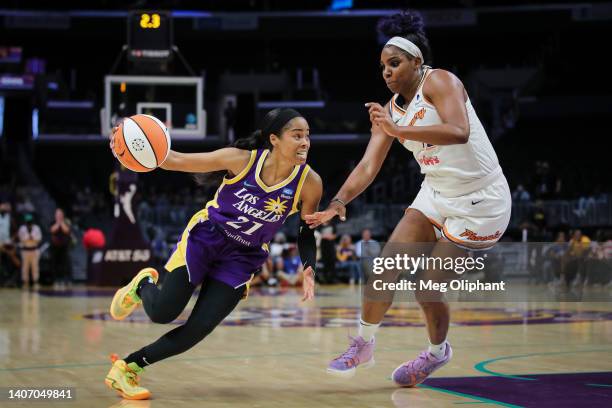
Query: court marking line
<point x="481" y="366"/>
<point x="481" y="400"/>
<point x="600" y="385"/>
<point x="234" y="357"/>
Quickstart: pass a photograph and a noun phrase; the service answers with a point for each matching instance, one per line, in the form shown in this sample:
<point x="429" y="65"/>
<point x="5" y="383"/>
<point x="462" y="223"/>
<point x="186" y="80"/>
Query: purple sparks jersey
<point x="250" y="212"/>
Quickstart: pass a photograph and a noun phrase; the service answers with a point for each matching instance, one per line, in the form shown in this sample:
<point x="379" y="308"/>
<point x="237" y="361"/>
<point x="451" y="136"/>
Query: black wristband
<point x="307" y="246"/>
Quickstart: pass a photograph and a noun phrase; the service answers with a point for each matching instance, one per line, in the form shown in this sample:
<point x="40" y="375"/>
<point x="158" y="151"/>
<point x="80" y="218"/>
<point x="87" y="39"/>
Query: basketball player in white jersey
<point x="464" y="201"/>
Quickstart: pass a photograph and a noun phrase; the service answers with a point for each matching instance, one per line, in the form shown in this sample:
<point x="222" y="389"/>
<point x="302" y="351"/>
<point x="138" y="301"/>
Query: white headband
<point x="406" y="45"/>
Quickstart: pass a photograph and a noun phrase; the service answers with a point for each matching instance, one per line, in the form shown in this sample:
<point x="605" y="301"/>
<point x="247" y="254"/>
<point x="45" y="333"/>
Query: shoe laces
<point x="419" y="362"/>
<point x="352" y="350"/>
<point x="132" y="377"/>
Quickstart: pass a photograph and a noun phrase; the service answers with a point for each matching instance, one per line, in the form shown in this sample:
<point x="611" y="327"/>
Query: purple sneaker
<point x="360" y="353"/>
<point x="415" y="371"/>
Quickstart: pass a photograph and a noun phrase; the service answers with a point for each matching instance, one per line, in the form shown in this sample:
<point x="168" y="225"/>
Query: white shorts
<point x="474" y="221"/>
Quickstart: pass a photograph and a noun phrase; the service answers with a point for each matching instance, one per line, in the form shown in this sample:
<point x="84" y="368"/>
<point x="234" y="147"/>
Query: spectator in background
<point x="29" y="240"/>
<point x="366" y="249"/>
<point x="520" y="194"/>
<point x="266" y="275"/>
<point x="24" y="204"/>
<point x="6" y="222"/>
<point x="289" y="270"/>
<point x="599" y="262"/>
<point x="347" y="259"/>
<point x="61" y="267"/>
<point x="553" y="258"/>
<point x="274" y="262"/>
<point x="9" y="261"/>
<point x="578" y="249"/>
<point x="278" y="246"/>
<point x="538" y="219"/>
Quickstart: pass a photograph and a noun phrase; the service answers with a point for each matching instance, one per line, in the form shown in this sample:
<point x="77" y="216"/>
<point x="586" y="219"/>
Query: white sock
<point x="438" y="350"/>
<point x="367" y="330"/>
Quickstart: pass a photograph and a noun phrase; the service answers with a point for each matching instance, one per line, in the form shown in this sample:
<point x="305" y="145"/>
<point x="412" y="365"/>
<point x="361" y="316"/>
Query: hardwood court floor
<point x="273" y="350"/>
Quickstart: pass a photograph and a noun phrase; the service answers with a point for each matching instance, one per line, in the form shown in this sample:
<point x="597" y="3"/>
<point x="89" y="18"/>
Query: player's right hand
<point x="320" y="217"/>
<point x="308" y="285"/>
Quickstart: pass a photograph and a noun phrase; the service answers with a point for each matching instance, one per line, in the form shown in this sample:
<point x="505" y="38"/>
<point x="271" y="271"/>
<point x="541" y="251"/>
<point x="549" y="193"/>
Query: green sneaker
<point x="125" y="299"/>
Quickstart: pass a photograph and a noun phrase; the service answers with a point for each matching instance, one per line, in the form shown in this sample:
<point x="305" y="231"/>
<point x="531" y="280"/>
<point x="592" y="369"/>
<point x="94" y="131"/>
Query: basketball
<point x="141" y="143"/>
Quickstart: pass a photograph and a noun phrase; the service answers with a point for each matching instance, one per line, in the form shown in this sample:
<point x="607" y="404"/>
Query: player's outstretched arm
<point x="307" y="246"/>
<point x="228" y="158"/>
<point x="359" y="179"/>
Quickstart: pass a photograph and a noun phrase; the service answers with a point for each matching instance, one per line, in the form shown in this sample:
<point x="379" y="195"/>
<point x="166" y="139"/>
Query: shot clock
<point x="149" y="36"/>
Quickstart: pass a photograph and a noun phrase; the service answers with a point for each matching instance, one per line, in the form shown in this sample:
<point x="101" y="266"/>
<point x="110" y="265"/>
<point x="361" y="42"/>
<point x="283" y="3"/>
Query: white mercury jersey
<point x="453" y="170"/>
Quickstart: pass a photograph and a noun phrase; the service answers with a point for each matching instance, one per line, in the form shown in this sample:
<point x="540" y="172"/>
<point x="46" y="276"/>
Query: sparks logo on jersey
<point x="276" y="206"/>
<point x="472" y="236"/>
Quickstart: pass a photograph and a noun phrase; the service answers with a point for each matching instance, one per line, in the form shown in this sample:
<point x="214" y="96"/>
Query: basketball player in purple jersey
<point x="464" y="201"/>
<point x="267" y="179"/>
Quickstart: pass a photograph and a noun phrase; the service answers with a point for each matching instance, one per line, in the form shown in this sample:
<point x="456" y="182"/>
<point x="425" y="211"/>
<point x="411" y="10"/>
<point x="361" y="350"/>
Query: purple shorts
<point x="208" y="252"/>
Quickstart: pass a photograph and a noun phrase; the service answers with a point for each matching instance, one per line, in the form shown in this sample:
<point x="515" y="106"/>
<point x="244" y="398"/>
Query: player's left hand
<point x="308" y="285"/>
<point x="112" y="140"/>
<point x="381" y="117"/>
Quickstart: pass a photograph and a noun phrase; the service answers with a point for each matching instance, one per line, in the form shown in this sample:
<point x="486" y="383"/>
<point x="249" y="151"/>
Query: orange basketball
<point x="141" y="143"/>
